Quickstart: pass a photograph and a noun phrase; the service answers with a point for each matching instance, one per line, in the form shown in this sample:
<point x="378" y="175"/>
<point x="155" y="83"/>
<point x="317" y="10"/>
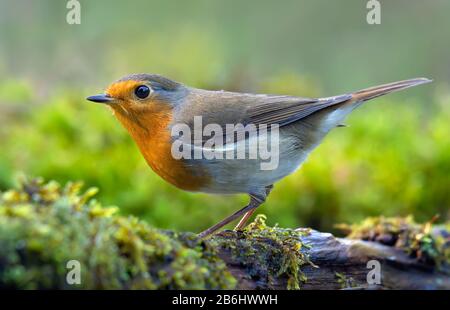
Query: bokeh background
<point x="393" y="159"/>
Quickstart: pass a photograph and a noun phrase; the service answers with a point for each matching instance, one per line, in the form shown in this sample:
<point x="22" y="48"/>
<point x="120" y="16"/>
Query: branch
<point x="342" y="263"/>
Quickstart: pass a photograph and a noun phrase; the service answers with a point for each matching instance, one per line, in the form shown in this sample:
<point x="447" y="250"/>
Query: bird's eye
<point x="142" y="91"/>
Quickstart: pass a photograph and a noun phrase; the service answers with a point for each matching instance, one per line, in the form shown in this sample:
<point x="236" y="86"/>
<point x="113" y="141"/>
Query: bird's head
<point x="142" y="100"/>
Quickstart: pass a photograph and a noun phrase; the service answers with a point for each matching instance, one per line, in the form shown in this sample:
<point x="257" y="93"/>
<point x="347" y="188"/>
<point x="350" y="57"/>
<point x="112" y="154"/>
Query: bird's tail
<point x="337" y="111"/>
<point x="377" y="91"/>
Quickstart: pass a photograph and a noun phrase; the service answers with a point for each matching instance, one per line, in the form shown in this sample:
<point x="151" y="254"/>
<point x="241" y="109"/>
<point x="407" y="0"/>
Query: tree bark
<point x="343" y="264"/>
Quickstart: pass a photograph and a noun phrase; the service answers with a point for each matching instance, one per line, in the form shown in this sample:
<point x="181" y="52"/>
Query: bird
<point x="151" y="106"/>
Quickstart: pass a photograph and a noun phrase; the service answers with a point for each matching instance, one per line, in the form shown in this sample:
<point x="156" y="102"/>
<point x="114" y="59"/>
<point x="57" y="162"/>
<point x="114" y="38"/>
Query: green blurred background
<point x="394" y="159"/>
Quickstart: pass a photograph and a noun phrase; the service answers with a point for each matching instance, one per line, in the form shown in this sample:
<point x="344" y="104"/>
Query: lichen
<point x="267" y="253"/>
<point x="428" y="243"/>
<point x="44" y="225"/>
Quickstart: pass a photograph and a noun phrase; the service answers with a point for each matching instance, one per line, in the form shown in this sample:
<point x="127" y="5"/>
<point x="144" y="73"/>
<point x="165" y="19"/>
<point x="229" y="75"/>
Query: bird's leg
<point x="255" y="202"/>
<point x="247" y="215"/>
<point x="244" y="220"/>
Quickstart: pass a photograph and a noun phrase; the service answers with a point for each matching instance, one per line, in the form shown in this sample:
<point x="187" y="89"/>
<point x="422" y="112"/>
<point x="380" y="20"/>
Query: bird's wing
<point x="284" y="111"/>
<point x="224" y="108"/>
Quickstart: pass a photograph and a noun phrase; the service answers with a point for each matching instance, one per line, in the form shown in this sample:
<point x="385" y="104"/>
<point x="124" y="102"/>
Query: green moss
<point x="267" y="252"/>
<point x="427" y="242"/>
<point x="344" y="281"/>
<point x="44" y="225"/>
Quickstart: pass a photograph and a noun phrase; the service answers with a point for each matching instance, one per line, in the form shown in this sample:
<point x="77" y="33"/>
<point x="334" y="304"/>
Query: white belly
<point x="245" y="175"/>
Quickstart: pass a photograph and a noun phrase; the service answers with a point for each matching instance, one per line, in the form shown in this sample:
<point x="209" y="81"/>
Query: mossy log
<point x="45" y="228"/>
<point x="342" y="263"/>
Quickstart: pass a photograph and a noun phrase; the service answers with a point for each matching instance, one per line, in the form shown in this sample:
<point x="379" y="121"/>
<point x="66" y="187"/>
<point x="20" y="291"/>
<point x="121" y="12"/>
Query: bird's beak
<point x="102" y="98"/>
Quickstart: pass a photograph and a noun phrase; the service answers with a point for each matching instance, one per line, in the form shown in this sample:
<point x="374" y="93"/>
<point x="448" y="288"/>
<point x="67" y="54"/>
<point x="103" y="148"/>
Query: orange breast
<point x="150" y="131"/>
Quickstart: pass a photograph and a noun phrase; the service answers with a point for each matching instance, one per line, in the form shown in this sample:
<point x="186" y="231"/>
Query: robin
<point x="150" y="106"/>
